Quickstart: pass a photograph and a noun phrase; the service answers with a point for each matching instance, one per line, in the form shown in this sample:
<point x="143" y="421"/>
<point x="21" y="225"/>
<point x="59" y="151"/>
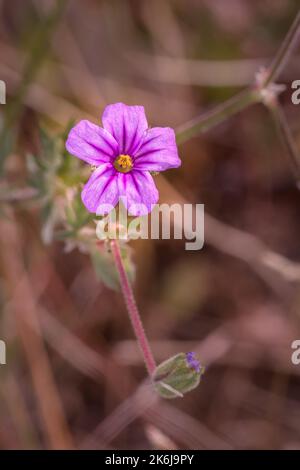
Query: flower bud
<point x="178" y="375"/>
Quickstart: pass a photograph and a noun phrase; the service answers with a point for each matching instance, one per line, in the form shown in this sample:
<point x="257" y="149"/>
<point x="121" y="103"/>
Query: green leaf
<point x="105" y="268"/>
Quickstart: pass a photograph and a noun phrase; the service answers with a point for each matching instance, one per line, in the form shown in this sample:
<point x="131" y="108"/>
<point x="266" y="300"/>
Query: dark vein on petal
<point x="124" y="136"/>
<point x="136" y="185"/>
<point x="131" y="146"/>
<point x="108" y="182"/>
<point x="110" y="144"/>
<point x="100" y="149"/>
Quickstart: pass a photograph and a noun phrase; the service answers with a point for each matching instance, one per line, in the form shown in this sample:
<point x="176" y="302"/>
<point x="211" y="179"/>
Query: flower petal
<point x="91" y="143"/>
<point x="137" y="192"/>
<point x="101" y="189"/>
<point x="158" y="151"/>
<point x="127" y="124"/>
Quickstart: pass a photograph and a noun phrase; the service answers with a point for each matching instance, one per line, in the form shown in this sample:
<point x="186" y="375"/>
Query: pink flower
<point x="124" y="153"/>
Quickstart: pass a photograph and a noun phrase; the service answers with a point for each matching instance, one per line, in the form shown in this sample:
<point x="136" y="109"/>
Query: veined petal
<point x="127" y="124"/>
<point x="137" y="192"/>
<point x="101" y="190"/>
<point x="91" y="143"/>
<point x="158" y="151"/>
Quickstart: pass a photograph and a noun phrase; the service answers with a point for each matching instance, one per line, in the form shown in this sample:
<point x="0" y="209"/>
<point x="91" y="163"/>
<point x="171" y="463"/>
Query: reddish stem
<point x="133" y="310"/>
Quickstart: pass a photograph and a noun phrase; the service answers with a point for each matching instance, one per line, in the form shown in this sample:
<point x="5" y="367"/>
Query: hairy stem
<point x="284" y="52"/>
<point x="217" y="115"/>
<point x="242" y="100"/>
<point x="287" y="139"/>
<point x="133" y="310"/>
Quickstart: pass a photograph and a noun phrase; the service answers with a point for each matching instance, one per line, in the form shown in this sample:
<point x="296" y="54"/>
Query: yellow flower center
<point x="123" y="163"/>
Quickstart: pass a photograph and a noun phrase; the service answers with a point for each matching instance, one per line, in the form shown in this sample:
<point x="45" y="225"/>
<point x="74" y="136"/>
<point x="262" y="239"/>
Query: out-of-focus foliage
<point x="58" y="179"/>
<point x="235" y="302"/>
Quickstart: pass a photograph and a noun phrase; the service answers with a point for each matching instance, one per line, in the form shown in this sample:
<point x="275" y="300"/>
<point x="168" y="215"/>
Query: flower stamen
<point x="123" y="163"/>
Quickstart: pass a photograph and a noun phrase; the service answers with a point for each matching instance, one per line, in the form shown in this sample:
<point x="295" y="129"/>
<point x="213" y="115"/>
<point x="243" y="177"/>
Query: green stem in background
<point x="287" y="139"/>
<point x="284" y="53"/>
<point x="217" y="115"/>
<point x="133" y="310"/>
<point x="40" y="41"/>
<point x="247" y="97"/>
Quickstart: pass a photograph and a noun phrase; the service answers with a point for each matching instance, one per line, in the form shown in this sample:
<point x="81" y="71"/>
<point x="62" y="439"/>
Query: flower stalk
<point x="216" y="116"/>
<point x="244" y="99"/>
<point x="284" y="52"/>
<point x="133" y="310"/>
<point x="287" y="139"/>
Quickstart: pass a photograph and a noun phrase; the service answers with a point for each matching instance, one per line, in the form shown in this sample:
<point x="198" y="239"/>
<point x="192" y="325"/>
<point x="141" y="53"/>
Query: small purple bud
<point x="192" y="361"/>
<point x="178" y="375"/>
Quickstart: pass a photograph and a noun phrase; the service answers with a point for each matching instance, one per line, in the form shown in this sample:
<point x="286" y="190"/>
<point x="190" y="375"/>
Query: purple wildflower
<point x="124" y="153"/>
<point x="193" y="362"/>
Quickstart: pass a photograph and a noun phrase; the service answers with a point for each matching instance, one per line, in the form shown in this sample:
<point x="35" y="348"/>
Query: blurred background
<point x="74" y="377"/>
